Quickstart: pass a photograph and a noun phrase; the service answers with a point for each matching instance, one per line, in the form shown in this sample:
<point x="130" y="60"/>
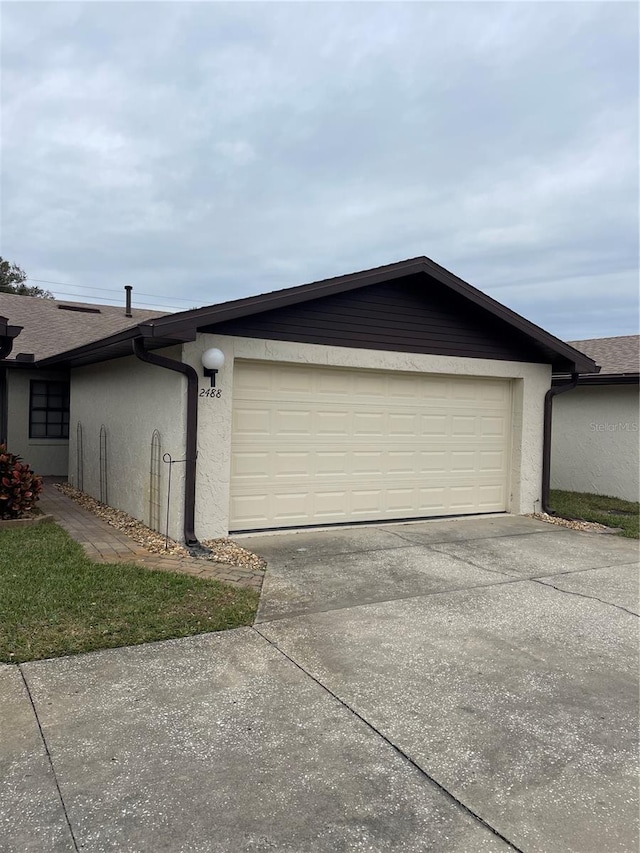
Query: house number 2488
<point x="210" y="392"/>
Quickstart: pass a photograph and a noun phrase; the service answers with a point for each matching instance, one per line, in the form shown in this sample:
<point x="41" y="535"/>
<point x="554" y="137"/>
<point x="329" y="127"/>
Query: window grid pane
<point x="49" y="409"/>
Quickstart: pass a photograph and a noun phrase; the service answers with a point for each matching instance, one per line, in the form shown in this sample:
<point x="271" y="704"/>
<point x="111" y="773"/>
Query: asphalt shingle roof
<point x="50" y="329"/>
<point x="614" y="355"/>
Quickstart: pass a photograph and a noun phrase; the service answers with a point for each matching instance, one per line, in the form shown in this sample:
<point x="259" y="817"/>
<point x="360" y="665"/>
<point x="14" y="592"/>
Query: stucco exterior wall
<point x="531" y="381"/>
<point x="47" y="456"/>
<point x="131" y="399"/>
<point x="595" y="437"/>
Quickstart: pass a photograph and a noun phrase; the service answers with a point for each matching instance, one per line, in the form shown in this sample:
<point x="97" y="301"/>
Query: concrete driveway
<point x="462" y="686"/>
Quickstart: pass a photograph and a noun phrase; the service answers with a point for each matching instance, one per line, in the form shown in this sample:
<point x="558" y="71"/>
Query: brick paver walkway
<point x="105" y="544"/>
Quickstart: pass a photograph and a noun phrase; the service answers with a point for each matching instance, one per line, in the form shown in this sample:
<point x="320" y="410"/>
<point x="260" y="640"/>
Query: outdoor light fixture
<point x="212" y="361"/>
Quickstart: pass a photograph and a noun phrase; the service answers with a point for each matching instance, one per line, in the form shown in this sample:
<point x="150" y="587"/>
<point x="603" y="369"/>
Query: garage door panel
<point x="401" y="423"/>
<point x="493" y="426"/>
<point x="293" y="422"/>
<point x="367" y="463"/>
<point x="251" y="421"/>
<point x="463" y="460"/>
<point x="401" y="502"/>
<point x="434" y="425"/>
<point x="290" y="379"/>
<point x="402" y="462"/>
<point x="290" y="507"/>
<point x="491" y="496"/>
<point x="492" y="461"/>
<point x="331" y="463"/>
<point x="250" y="510"/>
<point x="462" y="498"/>
<point x="431" y="500"/>
<point x="368" y="423"/>
<point x="317" y="445"/>
<point x="367" y="502"/>
<point x="331" y="504"/>
<point x="464" y="425"/>
<point x="291" y="464"/>
<point x="253" y="381"/>
<point x="333" y="423"/>
<point x="248" y="465"/>
<point x="334" y="386"/>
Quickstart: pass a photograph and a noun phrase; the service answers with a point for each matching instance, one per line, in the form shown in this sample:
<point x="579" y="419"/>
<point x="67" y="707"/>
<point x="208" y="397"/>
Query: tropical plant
<point x="19" y="486"/>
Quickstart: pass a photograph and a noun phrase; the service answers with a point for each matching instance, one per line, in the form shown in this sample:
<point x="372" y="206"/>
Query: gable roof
<point x="50" y="325"/>
<point x="616" y="356"/>
<point x="182" y="326"/>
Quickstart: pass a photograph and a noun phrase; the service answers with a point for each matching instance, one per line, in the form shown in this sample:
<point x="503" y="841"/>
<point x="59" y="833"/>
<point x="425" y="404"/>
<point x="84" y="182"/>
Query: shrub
<point x="19" y="486"/>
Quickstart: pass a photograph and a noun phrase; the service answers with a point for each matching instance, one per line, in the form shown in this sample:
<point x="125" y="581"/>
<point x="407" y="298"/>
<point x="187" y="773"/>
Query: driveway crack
<point x="588" y="569"/>
<point x="473" y="538"/>
<point x="584" y="595"/>
<point x="440" y="787"/>
<point x="471" y="562"/>
<point x="50" y="760"/>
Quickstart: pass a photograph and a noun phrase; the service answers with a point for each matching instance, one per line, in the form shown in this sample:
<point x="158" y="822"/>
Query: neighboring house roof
<point x="50" y="326"/>
<point x="183" y="326"/>
<point x="617" y="356"/>
<point x="619" y="359"/>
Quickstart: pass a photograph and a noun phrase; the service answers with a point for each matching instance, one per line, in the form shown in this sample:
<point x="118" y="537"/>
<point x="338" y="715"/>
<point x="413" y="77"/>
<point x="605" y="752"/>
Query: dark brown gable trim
<point x="560" y="354"/>
<point x="511" y="330"/>
<point x="413" y="314"/>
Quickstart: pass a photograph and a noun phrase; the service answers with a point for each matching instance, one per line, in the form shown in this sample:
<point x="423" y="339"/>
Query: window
<point x="49" y="410"/>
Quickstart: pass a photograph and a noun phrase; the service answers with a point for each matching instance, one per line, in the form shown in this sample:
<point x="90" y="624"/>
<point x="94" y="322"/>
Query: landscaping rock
<point x="574" y="523"/>
<point x="223" y="550"/>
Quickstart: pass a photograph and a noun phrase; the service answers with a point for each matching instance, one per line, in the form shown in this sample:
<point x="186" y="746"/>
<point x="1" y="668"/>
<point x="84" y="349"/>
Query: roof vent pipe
<point x="127" y="311"/>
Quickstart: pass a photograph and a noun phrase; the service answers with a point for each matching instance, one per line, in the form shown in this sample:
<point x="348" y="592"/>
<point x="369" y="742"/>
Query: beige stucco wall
<point x="47" y="456"/>
<point x="214" y="433"/>
<point x="595" y="441"/>
<point x="131" y="399"/>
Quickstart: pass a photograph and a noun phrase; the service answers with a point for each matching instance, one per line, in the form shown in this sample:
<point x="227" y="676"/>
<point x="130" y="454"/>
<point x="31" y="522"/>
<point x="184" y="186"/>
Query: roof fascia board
<point x="238" y="308"/>
<point x="95" y="347"/>
<point x="91" y="347"/>
<point x="581" y="361"/>
<point x="256" y="304"/>
<point x="12" y="364"/>
<point x="183" y="327"/>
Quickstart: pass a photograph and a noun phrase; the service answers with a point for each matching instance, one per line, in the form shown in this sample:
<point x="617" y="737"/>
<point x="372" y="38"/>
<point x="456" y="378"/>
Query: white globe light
<point x="212" y="359"/>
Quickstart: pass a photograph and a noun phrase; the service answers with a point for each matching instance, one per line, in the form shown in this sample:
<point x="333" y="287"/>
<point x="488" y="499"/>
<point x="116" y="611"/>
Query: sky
<point x="208" y="151"/>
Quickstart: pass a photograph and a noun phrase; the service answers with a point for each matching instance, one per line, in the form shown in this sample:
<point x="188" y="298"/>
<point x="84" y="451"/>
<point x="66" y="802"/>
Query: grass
<point x="55" y="601"/>
<point x="614" y="512"/>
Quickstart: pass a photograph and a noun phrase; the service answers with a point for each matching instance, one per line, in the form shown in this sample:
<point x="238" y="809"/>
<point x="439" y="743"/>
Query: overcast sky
<point x="207" y="151"/>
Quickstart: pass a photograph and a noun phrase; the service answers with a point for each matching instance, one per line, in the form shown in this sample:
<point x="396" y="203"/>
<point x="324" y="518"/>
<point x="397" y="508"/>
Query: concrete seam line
<point x="470" y="562"/>
<point x="53" y="769"/>
<point x="332" y="554"/>
<point x="451" y="797"/>
<point x="408" y="597"/>
<point x="432" y="546"/>
<point x="584" y="595"/>
<point x="589" y="569"/>
<point x="480" y="538"/>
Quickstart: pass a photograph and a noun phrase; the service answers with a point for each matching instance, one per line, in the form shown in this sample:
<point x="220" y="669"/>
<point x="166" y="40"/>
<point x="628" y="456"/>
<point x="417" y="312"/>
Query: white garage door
<point x="314" y="445"/>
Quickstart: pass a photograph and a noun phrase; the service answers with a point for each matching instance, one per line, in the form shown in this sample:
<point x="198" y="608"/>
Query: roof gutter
<point x="604" y="379"/>
<point x="8" y="334"/>
<point x="191" y="450"/>
<point x="546" y="439"/>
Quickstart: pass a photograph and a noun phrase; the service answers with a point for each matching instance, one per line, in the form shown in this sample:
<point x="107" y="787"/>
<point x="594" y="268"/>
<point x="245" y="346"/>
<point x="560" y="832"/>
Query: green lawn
<point x="614" y="512"/>
<point x="55" y="601"/>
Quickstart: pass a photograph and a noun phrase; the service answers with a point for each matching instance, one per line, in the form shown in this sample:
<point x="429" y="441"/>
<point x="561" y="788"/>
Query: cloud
<point x="210" y="151"/>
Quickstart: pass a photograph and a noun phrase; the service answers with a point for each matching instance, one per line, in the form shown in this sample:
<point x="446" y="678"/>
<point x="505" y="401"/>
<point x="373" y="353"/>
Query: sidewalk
<point x="105" y="544"/>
